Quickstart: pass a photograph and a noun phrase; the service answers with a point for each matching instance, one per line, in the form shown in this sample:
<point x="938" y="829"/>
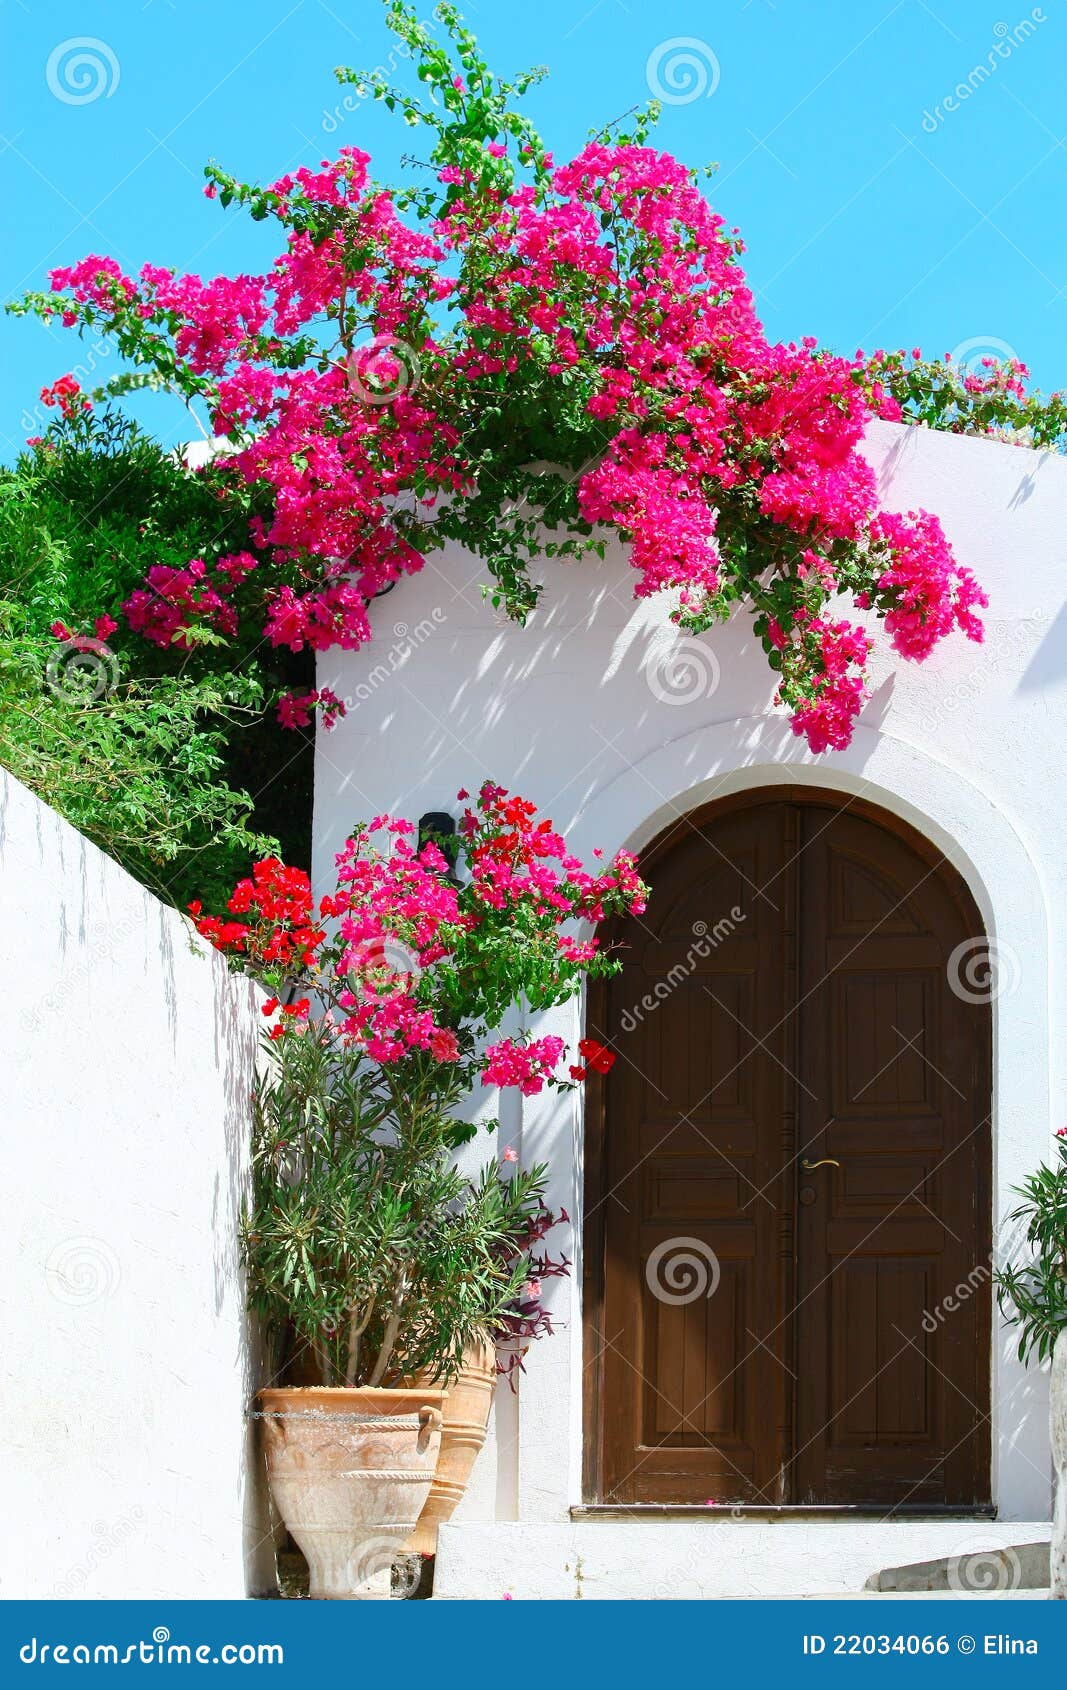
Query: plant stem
<point x="322" y="1356"/>
<point x="392" y="1326"/>
<point x="355" y="1333"/>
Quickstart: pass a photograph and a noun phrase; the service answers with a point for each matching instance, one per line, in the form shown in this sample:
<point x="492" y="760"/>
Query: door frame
<point x="595" y="1127"/>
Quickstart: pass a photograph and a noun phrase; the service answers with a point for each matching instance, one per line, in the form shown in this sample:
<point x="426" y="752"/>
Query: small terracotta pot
<point x="350" y="1471"/>
<point x="465" y="1416"/>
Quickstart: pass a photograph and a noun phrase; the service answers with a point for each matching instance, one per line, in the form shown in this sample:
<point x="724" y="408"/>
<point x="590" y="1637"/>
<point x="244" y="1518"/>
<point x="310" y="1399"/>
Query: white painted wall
<point x="579" y="711"/>
<point x="694" y="1560"/>
<point x="127" y="1054"/>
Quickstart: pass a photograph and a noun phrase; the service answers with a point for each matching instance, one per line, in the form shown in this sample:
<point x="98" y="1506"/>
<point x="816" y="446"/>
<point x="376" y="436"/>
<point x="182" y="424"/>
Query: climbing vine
<point x="525" y="357"/>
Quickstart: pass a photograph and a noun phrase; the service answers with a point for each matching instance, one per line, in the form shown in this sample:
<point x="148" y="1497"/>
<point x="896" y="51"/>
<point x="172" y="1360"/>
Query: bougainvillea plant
<point x="988" y="396"/>
<point x="398" y="983"/>
<point x="525" y="357"/>
<point x="406" y="962"/>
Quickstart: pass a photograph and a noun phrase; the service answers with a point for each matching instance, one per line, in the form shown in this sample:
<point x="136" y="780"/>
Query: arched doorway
<point x="787" y="1231"/>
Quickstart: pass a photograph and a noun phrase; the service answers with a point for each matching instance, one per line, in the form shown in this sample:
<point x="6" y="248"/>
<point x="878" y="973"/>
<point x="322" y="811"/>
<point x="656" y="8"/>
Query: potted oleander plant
<point x="382" y="1274"/>
<point x="1033" y="1296"/>
<point x="382" y="1271"/>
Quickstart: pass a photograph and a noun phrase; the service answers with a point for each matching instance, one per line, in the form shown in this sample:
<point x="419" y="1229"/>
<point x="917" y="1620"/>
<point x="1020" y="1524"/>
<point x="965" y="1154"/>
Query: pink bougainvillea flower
<point x="413" y="964"/>
<point x="606" y="290"/>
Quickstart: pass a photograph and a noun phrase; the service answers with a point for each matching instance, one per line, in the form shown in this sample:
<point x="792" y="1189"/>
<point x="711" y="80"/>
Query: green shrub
<point x="166" y="758"/>
<point x="1033" y="1293"/>
<point x="362" y="1238"/>
<point x="138" y="766"/>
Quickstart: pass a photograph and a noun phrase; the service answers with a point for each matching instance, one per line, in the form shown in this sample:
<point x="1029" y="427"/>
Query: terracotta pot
<point x="1058" y="1406"/>
<point x="350" y="1471"/>
<point x="465" y="1416"/>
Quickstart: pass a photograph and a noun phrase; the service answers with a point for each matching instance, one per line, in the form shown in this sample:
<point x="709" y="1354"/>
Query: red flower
<point x="67" y="394"/>
<point x="597" y="1056"/>
<point x="399" y="917"/>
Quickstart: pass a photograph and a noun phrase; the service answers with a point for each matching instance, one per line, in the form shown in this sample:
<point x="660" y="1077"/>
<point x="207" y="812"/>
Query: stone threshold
<point x="760" y="1511"/>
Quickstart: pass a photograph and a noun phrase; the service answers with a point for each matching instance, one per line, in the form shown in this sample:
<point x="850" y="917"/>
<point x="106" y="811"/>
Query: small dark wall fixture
<point x="440" y="827"/>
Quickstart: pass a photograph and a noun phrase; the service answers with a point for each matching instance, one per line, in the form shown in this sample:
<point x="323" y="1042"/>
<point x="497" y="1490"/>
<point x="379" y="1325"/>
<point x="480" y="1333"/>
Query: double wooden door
<point x="787" y="1198"/>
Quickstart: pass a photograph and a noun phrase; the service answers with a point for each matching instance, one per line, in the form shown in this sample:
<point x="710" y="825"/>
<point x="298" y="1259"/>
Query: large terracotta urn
<point x="465" y="1415"/>
<point x="1058" y="1404"/>
<point x="350" y="1471"/>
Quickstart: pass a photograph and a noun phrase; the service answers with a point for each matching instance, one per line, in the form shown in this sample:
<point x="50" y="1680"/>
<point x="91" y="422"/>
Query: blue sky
<point x="876" y="212"/>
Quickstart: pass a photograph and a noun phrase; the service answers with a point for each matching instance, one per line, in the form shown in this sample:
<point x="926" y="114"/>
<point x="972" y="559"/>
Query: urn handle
<point x="429" y="1423"/>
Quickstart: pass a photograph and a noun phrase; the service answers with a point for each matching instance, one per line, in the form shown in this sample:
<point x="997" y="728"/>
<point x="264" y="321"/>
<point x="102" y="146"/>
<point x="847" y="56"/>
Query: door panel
<point x="694" y="1407"/>
<point x="760" y="1332"/>
<point x="893" y="1086"/>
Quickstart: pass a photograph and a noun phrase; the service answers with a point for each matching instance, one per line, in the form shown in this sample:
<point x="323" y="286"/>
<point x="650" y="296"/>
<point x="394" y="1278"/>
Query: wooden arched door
<point x="788" y="1169"/>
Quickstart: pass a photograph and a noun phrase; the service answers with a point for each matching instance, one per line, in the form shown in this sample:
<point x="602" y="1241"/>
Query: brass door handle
<point x="826" y="1162"/>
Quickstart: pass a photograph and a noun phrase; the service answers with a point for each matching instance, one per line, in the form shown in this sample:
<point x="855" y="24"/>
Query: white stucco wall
<point x="583" y="712"/>
<point x="127" y="1053"/>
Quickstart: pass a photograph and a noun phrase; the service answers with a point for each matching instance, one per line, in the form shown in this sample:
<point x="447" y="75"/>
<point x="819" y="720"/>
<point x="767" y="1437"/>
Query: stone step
<point x="896" y="1596"/>
<point x="635" y="1560"/>
<point x="1016" y="1566"/>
